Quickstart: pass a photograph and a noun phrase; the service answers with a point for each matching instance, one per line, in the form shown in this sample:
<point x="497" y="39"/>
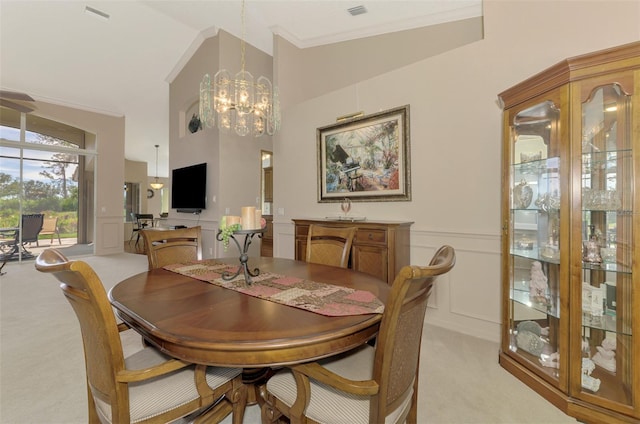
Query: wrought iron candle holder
<point x="244" y="257"/>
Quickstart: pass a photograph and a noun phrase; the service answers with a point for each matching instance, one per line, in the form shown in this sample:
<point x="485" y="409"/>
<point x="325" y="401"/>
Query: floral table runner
<point x="321" y="298"/>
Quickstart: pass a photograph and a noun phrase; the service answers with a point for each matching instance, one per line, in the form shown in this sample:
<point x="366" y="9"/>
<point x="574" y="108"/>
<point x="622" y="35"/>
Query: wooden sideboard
<point x="380" y="248"/>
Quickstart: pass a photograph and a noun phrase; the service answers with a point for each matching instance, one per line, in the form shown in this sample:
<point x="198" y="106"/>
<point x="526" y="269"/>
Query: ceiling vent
<point x="96" y="13"/>
<point x="357" y="10"/>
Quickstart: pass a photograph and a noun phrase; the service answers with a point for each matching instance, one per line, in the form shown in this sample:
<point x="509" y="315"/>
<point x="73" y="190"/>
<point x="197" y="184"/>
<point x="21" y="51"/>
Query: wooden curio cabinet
<point x="571" y="234"/>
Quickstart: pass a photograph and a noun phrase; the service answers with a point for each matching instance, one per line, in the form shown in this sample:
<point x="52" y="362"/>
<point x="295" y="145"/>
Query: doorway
<point x="266" y="201"/>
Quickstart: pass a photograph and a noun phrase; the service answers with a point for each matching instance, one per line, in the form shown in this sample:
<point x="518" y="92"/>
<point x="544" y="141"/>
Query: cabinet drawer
<point x="364" y="235"/>
<point x="371" y="260"/>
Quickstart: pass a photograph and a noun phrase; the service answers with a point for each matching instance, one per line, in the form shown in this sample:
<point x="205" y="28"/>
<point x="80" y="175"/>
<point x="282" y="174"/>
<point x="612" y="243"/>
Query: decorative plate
<point x="522" y="195"/>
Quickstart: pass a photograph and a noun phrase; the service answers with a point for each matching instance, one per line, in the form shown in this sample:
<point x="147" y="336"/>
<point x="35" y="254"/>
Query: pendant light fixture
<point x="156" y="185"/>
<point x="240" y="104"/>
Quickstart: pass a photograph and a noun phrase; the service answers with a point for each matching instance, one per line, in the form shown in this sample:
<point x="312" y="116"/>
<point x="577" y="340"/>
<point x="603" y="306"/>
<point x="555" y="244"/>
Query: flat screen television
<point x="189" y="188"/>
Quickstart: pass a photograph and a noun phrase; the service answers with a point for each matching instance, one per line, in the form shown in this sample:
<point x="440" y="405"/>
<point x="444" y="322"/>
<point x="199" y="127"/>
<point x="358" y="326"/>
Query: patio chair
<point x="50" y="228"/>
<point x="10" y="242"/>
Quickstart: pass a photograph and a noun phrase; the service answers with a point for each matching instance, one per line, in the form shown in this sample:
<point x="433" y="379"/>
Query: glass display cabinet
<point x="571" y="234"/>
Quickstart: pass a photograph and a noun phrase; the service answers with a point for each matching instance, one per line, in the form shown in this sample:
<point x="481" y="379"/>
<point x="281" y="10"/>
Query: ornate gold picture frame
<point x="365" y="158"/>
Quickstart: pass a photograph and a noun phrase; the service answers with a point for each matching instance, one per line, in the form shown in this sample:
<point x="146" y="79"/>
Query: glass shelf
<point x="535" y="255"/>
<point x="604" y="322"/>
<point x="608" y="267"/>
<point x="520" y="294"/>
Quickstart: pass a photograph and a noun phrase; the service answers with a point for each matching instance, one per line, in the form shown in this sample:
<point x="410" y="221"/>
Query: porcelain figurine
<point x="550" y="361"/>
<point x="591" y="248"/>
<point x="538" y="284"/>
<point x="605" y="357"/>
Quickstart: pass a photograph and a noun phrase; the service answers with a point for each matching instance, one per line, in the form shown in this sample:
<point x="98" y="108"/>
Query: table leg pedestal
<point x="255" y="378"/>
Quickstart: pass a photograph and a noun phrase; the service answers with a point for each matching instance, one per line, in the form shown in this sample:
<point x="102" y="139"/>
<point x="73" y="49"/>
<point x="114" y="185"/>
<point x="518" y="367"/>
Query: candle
<point x="248" y="217"/>
<point x="256" y="221"/>
<point x="232" y="220"/>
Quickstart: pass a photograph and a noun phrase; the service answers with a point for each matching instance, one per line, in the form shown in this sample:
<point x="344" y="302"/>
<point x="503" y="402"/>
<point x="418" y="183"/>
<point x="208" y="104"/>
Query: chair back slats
<point x="102" y="346"/>
<point x="399" y="339"/>
<point x="50" y="228"/>
<point x="166" y="247"/>
<point x="141" y="220"/>
<point x="329" y="245"/>
<point x="31" y="227"/>
<point x="49" y="225"/>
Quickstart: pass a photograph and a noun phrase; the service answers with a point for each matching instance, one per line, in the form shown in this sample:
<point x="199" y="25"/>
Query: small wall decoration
<point x="195" y="124"/>
<point x="366" y="158"/>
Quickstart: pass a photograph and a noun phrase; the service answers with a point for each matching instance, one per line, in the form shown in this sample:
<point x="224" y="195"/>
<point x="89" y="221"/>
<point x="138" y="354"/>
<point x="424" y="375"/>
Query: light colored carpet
<point x="42" y="364"/>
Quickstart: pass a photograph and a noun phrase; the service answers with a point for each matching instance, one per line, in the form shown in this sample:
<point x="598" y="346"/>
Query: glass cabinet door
<point x="607" y="181"/>
<point x="534" y="239"/>
<point x="571" y="234"/>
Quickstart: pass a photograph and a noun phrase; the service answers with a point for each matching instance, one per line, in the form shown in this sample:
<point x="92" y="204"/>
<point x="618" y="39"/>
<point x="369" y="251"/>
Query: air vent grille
<point x="357" y="10"/>
<point x="97" y="13"/>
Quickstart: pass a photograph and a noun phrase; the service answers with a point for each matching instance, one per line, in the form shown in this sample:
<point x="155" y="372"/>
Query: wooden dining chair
<point x="369" y="384"/>
<point x="147" y="386"/>
<point x="329" y="245"/>
<point x="166" y="247"/>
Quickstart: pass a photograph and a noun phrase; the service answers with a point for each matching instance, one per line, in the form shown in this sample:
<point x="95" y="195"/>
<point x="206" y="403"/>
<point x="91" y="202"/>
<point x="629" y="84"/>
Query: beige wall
<point x="455" y="141"/>
<point x="311" y="72"/>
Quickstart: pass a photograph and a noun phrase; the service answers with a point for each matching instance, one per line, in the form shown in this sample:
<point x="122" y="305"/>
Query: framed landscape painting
<point x="365" y="158"/>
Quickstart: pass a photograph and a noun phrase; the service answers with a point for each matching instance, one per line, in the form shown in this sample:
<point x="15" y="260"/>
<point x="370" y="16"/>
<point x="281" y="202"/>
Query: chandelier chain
<point x="242" y="38"/>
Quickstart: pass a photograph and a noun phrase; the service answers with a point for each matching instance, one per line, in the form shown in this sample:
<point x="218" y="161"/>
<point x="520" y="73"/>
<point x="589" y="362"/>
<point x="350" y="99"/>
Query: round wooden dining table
<point x="202" y="323"/>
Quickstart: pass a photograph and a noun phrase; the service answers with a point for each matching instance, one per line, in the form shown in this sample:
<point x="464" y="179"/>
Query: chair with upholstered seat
<point x="166" y="247"/>
<point x="369" y="384"/>
<point x="329" y="245"/>
<point x="50" y="228"/>
<point x="147" y="386"/>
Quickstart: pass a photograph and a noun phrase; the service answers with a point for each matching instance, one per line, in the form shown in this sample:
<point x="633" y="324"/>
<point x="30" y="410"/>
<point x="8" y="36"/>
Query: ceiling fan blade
<point x="16" y="106"/>
<point x="14" y="95"/>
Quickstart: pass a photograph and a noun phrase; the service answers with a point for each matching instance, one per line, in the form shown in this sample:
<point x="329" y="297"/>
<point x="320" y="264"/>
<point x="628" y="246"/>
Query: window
<point x="43" y="169"/>
<point x="131" y="200"/>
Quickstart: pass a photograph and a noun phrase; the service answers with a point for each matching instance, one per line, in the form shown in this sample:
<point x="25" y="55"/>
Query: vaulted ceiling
<point x="118" y="57"/>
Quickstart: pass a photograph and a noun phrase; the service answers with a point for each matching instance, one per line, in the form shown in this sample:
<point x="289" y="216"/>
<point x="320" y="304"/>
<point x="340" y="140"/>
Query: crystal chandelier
<point x="156" y="185"/>
<point x="240" y="104"/>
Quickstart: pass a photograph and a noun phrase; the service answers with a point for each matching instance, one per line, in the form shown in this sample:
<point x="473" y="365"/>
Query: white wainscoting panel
<point x="467" y="299"/>
<point x="111" y="235"/>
